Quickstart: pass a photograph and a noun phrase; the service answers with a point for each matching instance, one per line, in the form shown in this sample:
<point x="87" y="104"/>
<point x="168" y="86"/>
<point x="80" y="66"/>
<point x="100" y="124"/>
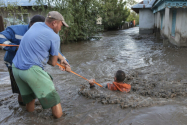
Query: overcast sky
<point x="139" y="1"/>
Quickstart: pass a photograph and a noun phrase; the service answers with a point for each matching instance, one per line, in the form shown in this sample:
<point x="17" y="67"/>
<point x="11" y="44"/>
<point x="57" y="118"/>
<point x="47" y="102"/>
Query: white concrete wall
<point x="181" y="26"/>
<point x="180" y="38"/>
<point x="166" y="22"/>
<point x="146" y="21"/>
<point x="158" y="20"/>
<point x="169" y="24"/>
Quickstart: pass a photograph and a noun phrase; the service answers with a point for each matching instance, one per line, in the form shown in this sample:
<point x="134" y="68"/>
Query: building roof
<point x="143" y="4"/>
<point x="20" y="2"/>
<point x="162" y="4"/>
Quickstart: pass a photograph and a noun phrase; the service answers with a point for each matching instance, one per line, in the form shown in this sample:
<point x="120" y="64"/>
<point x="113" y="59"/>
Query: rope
<point x="60" y="66"/>
<point x="79" y="75"/>
<point x="7" y="45"/>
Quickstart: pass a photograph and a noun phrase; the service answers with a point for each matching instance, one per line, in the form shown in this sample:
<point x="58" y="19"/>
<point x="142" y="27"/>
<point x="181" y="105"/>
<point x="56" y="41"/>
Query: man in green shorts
<point x="12" y="36"/>
<point x="38" y="47"/>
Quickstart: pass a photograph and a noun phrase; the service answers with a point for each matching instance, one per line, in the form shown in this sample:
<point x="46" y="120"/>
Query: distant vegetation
<point x="133" y="16"/>
<point x="81" y="15"/>
<point x="114" y="13"/>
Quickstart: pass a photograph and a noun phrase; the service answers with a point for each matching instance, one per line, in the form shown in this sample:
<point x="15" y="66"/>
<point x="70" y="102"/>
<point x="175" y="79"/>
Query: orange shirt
<point x="118" y="86"/>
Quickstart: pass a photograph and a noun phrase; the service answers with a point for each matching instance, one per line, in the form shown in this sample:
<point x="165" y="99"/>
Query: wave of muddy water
<point x="157" y="74"/>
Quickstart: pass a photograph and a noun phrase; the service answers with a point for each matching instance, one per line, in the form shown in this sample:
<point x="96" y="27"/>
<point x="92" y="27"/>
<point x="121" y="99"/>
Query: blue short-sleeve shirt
<point x="37" y="44"/>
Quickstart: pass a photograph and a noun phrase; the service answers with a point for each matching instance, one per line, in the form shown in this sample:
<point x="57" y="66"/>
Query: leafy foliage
<point x="133" y="16"/>
<point x="80" y="15"/>
<point x="113" y="13"/>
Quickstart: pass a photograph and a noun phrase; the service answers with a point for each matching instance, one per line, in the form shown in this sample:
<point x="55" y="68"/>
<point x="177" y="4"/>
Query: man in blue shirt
<point x="12" y="36"/>
<point x="38" y="47"/>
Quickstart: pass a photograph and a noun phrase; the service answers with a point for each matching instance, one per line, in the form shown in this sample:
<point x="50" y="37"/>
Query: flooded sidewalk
<point x="157" y="74"/>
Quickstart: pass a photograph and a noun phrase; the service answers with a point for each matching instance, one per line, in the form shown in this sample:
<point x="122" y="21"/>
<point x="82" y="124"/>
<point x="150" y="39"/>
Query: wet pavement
<point x="157" y="74"/>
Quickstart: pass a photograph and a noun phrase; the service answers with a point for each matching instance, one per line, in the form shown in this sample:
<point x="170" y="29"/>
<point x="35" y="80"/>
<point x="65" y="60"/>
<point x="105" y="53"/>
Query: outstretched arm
<point x="64" y="63"/>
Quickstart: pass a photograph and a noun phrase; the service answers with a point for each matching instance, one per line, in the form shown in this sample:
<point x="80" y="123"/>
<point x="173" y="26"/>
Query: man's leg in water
<point x="30" y="107"/>
<point x="57" y="111"/>
<point x="35" y="82"/>
<point x="14" y="86"/>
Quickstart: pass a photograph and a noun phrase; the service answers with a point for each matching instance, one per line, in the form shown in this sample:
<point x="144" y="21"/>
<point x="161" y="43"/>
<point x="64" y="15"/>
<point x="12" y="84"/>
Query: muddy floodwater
<point x="157" y="74"/>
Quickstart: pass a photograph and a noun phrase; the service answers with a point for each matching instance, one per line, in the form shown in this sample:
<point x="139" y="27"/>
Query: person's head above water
<point x="119" y="76"/>
<point x="36" y="18"/>
<point x="55" y="21"/>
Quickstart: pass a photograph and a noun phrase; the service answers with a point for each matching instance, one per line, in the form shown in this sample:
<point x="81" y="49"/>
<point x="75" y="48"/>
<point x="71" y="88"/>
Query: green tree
<point x="137" y="19"/>
<point x="133" y="16"/>
<point x="113" y="13"/>
<point x="80" y="15"/>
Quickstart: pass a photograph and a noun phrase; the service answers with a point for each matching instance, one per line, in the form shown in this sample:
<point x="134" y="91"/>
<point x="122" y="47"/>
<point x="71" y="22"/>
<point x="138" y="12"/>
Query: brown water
<point x="149" y="66"/>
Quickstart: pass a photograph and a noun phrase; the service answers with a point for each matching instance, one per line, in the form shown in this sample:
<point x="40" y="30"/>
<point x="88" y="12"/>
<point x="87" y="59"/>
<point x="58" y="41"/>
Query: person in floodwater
<point x="12" y="36"/>
<point x="118" y="83"/>
<point x="40" y="46"/>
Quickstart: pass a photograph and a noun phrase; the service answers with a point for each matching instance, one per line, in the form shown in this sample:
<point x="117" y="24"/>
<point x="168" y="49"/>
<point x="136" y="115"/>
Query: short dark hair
<point x="37" y="18"/>
<point x="120" y="76"/>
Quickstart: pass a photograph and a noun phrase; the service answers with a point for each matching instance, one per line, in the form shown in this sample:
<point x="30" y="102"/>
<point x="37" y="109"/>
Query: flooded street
<point x="157" y="74"/>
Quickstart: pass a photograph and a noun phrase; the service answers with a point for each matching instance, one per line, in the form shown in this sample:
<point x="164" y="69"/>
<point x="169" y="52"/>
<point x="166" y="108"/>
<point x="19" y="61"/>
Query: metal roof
<point x="143" y="4"/>
<point x="20" y="2"/>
